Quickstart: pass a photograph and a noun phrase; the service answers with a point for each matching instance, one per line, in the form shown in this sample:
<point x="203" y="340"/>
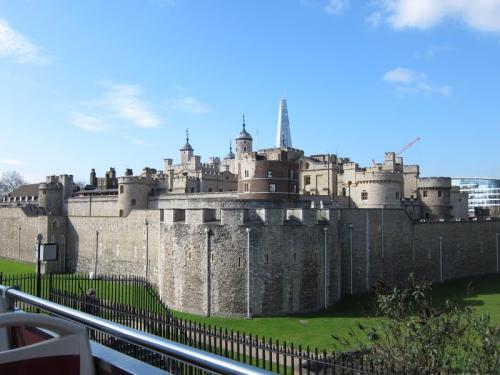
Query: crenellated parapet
<point x="249" y="216"/>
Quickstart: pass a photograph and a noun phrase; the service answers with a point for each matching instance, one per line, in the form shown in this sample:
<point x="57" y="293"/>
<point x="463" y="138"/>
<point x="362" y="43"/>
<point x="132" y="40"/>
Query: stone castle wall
<point x="198" y="256"/>
<point x="388" y="245"/>
<point x="19" y="230"/>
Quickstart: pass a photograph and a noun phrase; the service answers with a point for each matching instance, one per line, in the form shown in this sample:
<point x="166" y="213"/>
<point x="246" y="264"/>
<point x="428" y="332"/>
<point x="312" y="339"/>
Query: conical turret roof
<point x="244" y="135"/>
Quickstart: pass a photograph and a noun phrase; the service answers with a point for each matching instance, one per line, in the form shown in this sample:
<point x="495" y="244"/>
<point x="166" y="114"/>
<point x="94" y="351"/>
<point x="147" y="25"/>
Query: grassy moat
<point x="315" y="330"/>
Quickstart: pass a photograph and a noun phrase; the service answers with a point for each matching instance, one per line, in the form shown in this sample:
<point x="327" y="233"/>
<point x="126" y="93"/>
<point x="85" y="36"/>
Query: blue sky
<point x="94" y="84"/>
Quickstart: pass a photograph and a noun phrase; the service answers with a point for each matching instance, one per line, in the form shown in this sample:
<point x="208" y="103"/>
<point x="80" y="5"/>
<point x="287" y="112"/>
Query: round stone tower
<point x="243" y="141"/>
<point x="435" y="195"/>
<point x="50" y="196"/>
<point x="134" y="192"/>
<point x="377" y="189"/>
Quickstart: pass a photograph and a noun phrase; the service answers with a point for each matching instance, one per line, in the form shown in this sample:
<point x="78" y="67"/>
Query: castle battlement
<point x="434" y="182"/>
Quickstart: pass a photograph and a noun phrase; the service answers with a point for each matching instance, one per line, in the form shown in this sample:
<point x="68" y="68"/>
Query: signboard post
<point x="45" y="252"/>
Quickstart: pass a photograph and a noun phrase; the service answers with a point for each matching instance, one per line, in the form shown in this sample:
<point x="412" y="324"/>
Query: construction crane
<point x="408" y="146"/>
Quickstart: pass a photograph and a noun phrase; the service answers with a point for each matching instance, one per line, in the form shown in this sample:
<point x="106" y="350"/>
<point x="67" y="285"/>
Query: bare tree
<point x="10" y="181"/>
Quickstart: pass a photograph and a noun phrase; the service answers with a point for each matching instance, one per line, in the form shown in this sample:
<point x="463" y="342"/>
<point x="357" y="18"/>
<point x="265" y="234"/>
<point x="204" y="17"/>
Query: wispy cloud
<point x="126" y="102"/>
<point x="90" y="123"/>
<point x="482" y="15"/>
<point x="11" y="162"/>
<point x="408" y="80"/>
<point x="334" y="7"/>
<point x="337" y="6"/>
<point x="139" y="141"/>
<point x="189" y="104"/>
<point x="18" y="48"/>
<point x="435" y="50"/>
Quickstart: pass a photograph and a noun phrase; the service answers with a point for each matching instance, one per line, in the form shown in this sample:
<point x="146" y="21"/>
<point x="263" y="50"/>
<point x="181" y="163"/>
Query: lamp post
<point x="248" y="273"/>
<point x="325" y="230"/>
<point x="19" y="242"/>
<point x="96" y="251"/>
<point x="146" y="223"/>
<point x="350" y="246"/>
<point x="39" y="239"/>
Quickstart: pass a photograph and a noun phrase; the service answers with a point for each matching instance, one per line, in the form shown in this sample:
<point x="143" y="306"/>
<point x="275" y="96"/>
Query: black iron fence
<point x="261" y="352"/>
<point x="132" y="291"/>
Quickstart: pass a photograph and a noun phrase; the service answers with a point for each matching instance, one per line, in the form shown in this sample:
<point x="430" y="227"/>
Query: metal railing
<point x="194" y="357"/>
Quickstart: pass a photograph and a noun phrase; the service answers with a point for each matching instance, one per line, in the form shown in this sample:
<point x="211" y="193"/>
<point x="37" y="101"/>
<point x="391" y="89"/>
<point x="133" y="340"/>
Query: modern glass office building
<point x="482" y="192"/>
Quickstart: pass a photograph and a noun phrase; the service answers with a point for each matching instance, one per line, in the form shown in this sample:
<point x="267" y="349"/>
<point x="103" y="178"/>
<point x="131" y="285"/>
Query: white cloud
<point x="90" y="123"/>
<point x="403" y="75"/>
<point x="337" y="6"/>
<point x="16" y="46"/>
<point x="139" y="142"/>
<point x="11" y="162"/>
<point x="126" y="102"/>
<point x="189" y="104"/>
<point x="482" y="15"/>
<point x="409" y="80"/>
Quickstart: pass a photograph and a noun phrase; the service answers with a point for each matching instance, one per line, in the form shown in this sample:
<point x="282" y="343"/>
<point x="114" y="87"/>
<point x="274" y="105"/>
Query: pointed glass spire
<point x="283" y="136"/>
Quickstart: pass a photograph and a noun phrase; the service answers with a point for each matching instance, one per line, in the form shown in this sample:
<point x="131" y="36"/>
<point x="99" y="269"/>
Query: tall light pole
<point x="19" y="242"/>
<point x="39" y="239"/>
<point x="96" y="251"/>
<point x="350" y="245"/>
<point x="325" y="230"/>
<point x="441" y="259"/>
<point x="248" y="273"/>
<point x="146" y="223"/>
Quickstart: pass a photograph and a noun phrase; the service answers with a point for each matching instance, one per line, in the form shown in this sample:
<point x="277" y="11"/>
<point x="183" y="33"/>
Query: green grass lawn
<point x="315" y="330"/>
<point x="11" y="267"/>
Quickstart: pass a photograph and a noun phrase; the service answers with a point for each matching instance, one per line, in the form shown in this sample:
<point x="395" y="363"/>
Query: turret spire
<point x="283" y="136"/>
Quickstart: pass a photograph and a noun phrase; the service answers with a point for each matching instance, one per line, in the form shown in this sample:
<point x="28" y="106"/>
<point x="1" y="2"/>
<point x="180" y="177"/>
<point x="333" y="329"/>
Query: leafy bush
<point x="416" y="337"/>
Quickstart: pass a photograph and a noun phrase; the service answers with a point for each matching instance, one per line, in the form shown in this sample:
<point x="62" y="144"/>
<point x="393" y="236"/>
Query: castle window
<point x="272" y="188"/>
<point x="246" y="187"/>
<point x="246" y="173"/>
<point x="209" y="190"/>
<point x="440" y="193"/>
<point x="269" y="174"/>
<point x="306" y="165"/>
<point x="307" y="180"/>
<point x="121" y="213"/>
<point x="239" y="262"/>
<point x="44" y="191"/>
<point x="191" y="190"/>
<point x="122" y="189"/>
<point x="267" y="258"/>
<point x="162" y="216"/>
<point x="211" y="257"/>
<point x="364" y="195"/>
<point x="133" y="202"/>
<point x="397" y="194"/>
<point x="244" y="149"/>
<point x="344" y="192"/>
<point x="291" y="173"/>
<point x="425" y="193"/>
<point x="189" y="256"/>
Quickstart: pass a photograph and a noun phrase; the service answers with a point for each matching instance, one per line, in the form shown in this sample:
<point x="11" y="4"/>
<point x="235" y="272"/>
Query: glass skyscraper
<point x="482" y="192"/>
